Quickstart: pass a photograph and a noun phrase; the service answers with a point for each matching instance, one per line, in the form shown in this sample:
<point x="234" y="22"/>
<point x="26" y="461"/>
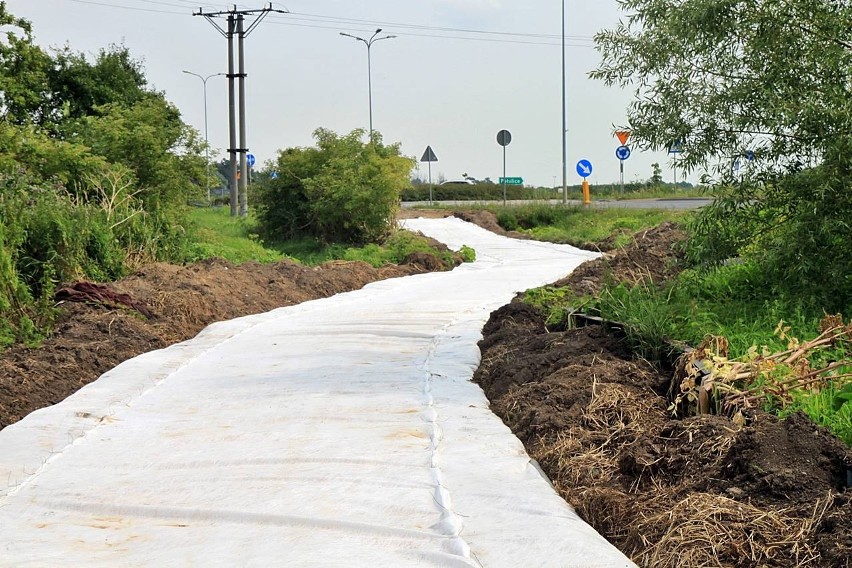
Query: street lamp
<point x="206" y="140"/>
<point x="369" y="43"/>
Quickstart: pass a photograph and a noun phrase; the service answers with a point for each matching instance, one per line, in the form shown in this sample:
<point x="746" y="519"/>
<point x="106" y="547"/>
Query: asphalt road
<point x="664" y="203"/>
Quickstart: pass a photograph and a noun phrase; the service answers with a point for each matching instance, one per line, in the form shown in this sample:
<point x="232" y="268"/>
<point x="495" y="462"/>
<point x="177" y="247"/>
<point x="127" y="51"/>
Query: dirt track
<point x="692" y="492"/>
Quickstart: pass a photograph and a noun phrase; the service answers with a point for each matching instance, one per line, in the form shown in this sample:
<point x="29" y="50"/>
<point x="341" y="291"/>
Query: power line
<point x="128" y="7"/>
<point x="409" y="34"/>
<point x="577" y="41"/>
<point x="318" y="17"/>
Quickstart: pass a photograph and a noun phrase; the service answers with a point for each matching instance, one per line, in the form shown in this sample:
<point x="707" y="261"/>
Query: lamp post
<point x="206" y="140"/>
<point x="369" y="43"/>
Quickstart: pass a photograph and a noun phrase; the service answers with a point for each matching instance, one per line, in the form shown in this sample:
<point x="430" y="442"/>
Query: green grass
<point x="728" y="302"/>
<point x="217" y="234"/>
<point x="581" y="226"/>
<point x="820" y="408"/>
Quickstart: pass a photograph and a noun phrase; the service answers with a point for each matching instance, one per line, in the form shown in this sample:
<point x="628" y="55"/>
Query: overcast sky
<point x="434" y="84"/>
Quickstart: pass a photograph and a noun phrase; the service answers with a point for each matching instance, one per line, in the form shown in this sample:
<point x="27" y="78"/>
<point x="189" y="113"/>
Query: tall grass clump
<point x="51" y="236"/>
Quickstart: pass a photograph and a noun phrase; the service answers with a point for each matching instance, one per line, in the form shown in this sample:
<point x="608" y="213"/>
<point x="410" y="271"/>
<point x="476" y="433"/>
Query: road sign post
<point x="504" y="137"/>
<point x="250" y="159"/>
<point x="675" y="148"/>
<point x="584" y="169"/>
<point x="622" y="153"/>
<point x="429" y="157"/>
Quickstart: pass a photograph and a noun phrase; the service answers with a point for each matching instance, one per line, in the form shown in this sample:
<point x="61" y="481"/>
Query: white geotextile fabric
<point x="338" y="432"/>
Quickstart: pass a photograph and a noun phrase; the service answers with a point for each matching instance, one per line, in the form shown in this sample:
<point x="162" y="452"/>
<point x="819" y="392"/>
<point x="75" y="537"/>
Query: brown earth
<point x="694" y="492"/>
<point x="700" y="491"/>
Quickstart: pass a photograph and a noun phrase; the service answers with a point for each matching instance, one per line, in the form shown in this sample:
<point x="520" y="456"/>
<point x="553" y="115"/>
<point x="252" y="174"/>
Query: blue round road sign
<point x="584" y="168"/>
<point x="622" y="152"/>
<point x="250" y="160"/>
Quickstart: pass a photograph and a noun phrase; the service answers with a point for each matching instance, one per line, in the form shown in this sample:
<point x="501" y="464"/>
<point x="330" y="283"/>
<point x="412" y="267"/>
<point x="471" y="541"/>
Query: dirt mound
<point x="694" y="492"/>
<point x="99" y="326"/>
<point x="487" y="220"/>
<point x="700" y="491"/>
<point x="789" y="460"/>
<point x="652" y="255"/>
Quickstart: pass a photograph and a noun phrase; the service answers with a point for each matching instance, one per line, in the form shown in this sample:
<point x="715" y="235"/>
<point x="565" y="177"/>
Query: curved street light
<point x="369" y="43"/>
<point x="206" y="140"/>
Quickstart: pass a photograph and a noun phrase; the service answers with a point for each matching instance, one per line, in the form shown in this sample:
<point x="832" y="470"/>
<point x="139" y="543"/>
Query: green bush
<point x="343" y="190"/>
<point x="795" y="229"/>
<point x="400" y="245"/>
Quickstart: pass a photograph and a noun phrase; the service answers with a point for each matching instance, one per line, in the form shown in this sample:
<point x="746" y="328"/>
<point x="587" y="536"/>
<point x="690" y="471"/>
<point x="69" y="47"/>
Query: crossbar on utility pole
<point x="236" y="27"/>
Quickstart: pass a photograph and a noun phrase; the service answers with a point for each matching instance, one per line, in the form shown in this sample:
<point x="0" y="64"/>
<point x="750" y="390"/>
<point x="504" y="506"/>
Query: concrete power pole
<point x="235" y="27"/>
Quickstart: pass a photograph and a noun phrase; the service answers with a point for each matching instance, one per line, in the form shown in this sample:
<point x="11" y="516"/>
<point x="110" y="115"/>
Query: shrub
<point x="343" y="190"/>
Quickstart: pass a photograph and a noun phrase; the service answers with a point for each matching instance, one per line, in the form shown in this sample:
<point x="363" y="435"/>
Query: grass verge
<point x="218" y="234"/>
<point x="580" y="226"/>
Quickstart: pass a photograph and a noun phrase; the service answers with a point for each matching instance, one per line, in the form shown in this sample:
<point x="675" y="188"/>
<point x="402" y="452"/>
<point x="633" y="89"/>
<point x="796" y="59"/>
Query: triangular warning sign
<point x="623" y="135"/>
<point x="429" y="155"/>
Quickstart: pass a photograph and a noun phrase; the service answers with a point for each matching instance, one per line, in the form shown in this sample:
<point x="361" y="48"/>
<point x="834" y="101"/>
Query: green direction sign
<point x="512" y="181"/>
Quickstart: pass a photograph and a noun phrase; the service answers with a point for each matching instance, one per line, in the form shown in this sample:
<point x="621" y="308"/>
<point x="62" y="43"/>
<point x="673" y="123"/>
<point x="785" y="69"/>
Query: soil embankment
<point x="700" y="491"/>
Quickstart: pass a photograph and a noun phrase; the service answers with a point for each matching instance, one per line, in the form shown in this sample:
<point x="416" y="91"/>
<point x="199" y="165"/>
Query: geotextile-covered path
<point x="337" y="432"/>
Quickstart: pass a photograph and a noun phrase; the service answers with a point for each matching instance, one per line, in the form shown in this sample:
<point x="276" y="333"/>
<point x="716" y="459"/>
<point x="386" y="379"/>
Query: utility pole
<point x="236" y="27"/>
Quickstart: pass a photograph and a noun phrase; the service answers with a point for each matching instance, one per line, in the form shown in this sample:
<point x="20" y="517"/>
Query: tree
<point x="24" y="93"/>
<point x="764" y="81"/>
<point x="656" y="175"/>
<point x="342" y="190"/>
<point x="79" y="87"/>
<point x="149" y="138"/>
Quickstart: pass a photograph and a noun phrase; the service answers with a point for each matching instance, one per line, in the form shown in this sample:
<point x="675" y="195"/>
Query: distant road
<point x="664" y="203"/>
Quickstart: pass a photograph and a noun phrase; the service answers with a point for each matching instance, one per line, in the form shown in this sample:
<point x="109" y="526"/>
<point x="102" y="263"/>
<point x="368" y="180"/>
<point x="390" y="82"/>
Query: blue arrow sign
<point x="250" y="160"/>
<point x="584" y="168"/>
<point x="273" y="175"/>
<point x="622" y="153"/>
